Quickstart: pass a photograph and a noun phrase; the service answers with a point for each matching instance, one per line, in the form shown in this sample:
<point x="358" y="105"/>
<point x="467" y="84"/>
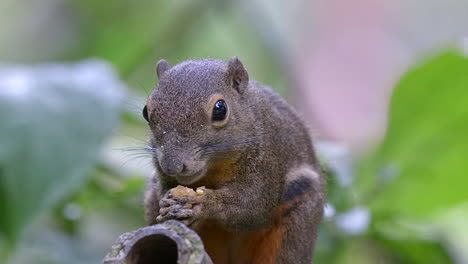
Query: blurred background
<point x="382" y="84"/>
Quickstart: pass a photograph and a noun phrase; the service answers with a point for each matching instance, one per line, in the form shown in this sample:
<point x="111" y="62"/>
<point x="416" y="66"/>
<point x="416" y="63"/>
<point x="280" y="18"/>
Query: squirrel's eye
<point x="145" y="113"/>
<point x="219" y="111"/>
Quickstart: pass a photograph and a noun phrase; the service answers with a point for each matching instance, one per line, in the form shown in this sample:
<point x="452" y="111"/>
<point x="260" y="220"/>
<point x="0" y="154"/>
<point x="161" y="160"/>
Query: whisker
<point x="147" y="149"/>
<point x="235" y="143"/>
<point x="136" y="157"/>
<point x="130" y="148"/>
<point x="230" y="144"/>
<point x="215" y="157"/>
<point x="139" y="153"/>
<point x="223" y="149"/>
<point x="145" y="142"/>
<point x="219" y="151"/>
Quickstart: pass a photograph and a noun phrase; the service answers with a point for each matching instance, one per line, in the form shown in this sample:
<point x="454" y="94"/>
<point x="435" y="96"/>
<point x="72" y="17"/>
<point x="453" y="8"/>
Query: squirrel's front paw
<point x="183" y="204"/>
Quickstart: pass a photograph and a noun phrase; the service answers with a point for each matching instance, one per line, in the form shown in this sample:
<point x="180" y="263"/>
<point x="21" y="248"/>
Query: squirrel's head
<point x="198" y="115"/>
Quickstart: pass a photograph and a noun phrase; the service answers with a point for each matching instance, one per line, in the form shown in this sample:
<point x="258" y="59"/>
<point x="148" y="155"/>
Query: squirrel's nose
<point x="172" y="167"/>
<point x="175" y="170"/>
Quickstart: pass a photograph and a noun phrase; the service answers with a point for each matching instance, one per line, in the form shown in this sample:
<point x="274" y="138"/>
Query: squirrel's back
<point x="283" y="122"/>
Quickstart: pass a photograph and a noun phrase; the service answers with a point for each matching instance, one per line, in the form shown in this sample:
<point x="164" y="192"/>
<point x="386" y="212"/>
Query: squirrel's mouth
<point x="190" y="177"/>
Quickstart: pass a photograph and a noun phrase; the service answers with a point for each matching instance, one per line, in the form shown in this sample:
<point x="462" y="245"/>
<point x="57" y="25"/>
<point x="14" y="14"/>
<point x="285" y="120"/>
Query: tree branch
<point x="169" y="242"/>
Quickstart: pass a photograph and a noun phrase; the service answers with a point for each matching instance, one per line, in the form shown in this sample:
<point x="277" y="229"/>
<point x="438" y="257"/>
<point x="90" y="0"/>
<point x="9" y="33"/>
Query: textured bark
<point x="169" y="242"/>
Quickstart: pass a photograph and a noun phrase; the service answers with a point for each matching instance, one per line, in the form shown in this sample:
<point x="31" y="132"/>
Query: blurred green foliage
<point x="50" y="135"/>
<point x="421" y="165"/>
<point x="134" y="36"/>
<point x="418" y="172"/>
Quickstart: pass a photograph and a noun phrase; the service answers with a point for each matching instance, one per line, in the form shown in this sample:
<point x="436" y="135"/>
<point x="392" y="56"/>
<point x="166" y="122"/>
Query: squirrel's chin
<point x="192" y="178"/>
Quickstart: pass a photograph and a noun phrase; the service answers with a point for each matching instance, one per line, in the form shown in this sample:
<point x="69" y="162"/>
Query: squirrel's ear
<point x="161" y="67"/>
<point x="238" y="76"/>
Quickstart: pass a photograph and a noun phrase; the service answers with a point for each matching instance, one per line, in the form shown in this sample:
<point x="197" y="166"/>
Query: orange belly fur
<point x="226" y="247"/>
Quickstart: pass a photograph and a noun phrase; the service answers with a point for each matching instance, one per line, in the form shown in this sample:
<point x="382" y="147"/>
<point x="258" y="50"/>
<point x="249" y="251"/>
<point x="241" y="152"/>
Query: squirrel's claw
<point x="177" y="212"/>
<point x="183" y="208"/>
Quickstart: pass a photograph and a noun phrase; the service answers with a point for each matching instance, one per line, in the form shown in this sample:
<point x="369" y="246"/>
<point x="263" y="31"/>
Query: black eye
<point x="145" y="113"/>
<point x="219" y="111"/>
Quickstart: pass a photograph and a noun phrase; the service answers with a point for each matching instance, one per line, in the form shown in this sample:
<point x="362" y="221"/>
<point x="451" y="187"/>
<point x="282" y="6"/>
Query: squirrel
<point x="263" y="193"/>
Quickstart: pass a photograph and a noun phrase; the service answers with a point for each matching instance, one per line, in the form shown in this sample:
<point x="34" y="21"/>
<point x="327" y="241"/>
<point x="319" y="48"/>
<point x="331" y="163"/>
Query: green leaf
<point x="416" y="250"/>
<point x="53" y="121"/>
<point x="422" y="164"/>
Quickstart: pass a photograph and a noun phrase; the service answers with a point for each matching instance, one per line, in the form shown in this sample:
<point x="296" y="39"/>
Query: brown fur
<point x="217" y="241"/>
<point x="218" y="174"/>
<point x="264" y="198"/>
<point x="260" y="246"/>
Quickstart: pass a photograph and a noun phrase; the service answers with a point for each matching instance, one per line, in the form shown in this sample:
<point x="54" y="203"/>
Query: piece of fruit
<point x="180" y="191"/>
<point x="200" y="190"/>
